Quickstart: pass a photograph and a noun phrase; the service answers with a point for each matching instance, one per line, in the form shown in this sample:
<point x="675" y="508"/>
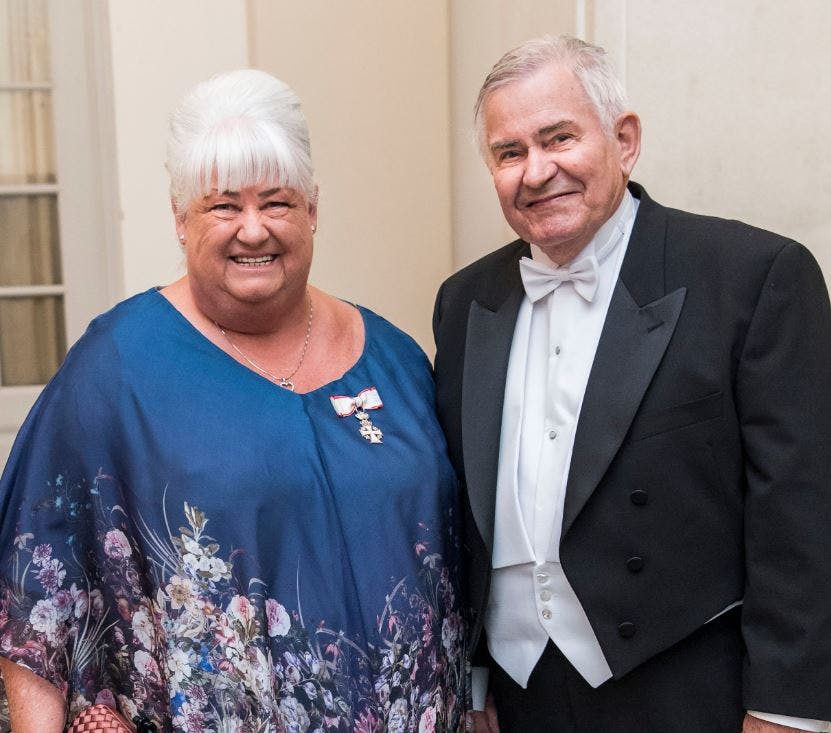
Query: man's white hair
<point x="237" y="129"/>
<point x="589" y="63"/>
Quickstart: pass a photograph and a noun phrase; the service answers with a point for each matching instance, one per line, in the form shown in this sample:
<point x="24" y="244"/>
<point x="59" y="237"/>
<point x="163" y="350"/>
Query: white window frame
<point x="84" y="130"/>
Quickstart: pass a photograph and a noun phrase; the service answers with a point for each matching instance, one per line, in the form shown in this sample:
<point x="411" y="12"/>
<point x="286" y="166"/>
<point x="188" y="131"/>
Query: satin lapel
<point x="632" y="345"/>
<point x="488" y="346"/>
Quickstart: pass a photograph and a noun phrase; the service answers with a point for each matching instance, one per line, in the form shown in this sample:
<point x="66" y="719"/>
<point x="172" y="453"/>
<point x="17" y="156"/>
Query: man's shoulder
<point x="710" y="254"/>
<point x="706" y="226"/>
<point x="710" y="235"/>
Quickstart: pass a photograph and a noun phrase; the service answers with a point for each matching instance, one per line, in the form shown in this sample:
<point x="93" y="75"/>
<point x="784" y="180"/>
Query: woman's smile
<point x="254" y="261"/>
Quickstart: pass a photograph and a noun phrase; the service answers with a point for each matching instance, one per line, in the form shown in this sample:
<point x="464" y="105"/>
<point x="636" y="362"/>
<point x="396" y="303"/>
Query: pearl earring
<point x="182" y="238"/>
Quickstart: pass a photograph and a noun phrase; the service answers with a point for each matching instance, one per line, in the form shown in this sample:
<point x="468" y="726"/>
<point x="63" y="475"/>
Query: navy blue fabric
<point x="158" y="485"/>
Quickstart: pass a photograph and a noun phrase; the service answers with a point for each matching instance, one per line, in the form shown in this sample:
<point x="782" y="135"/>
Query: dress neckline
<point x="195" y="332"/>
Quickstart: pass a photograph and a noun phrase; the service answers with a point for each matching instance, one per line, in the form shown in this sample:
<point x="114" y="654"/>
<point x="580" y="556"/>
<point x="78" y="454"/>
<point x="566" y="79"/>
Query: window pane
<point x="26" y="149"/>
<point x="29" y="247"/>
<point x="32" y="339"/>
<point x="24" y="41"/>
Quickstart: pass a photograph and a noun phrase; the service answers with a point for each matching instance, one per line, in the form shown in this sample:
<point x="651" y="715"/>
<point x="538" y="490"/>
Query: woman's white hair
<point x="589" y="63"/>
<point x="237" y="129"/>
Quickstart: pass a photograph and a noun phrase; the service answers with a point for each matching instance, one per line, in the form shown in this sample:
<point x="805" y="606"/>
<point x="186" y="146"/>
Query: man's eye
<point x="561" y="138"/>
<point x="222" y="207"/>
<point x="276" y="204"/>
<point x="508" y="154"/>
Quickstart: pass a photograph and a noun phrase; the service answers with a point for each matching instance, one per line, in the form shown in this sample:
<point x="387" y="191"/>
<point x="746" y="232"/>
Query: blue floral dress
<point x="183" y="539"/>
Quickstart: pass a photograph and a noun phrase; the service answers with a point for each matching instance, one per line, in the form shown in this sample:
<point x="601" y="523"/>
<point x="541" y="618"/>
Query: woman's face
<point x="247" y="247"/>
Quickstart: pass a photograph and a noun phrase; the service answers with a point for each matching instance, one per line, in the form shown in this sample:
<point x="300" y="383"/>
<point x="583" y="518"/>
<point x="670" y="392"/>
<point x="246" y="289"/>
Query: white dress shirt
<point x="531" y="600"/>
<point x="553" y="348"/>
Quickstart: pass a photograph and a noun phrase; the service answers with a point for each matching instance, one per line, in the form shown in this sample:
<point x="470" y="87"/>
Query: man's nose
<point x="540" y="167"/>
<point x="252" y="231"/>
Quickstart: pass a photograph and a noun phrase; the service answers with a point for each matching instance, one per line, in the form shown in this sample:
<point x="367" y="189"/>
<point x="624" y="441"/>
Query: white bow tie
<point x="540" y="280"/>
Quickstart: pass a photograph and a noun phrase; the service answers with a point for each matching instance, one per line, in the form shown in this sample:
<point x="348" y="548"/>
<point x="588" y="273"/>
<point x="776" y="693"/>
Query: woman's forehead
<point x="260" y="188"/>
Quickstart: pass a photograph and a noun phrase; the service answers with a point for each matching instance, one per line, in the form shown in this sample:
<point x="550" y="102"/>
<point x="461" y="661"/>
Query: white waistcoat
<point x="554" y="343"/>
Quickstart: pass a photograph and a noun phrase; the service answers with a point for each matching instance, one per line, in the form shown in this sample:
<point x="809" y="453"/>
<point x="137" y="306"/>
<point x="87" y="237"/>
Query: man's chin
<point x="552" y="233"/>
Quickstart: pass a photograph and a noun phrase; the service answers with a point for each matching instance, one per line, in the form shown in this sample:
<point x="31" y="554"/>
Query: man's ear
<point x="628" y="135"/>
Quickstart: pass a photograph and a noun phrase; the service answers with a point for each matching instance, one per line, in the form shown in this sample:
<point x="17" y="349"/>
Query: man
<point x="638" y="402"/>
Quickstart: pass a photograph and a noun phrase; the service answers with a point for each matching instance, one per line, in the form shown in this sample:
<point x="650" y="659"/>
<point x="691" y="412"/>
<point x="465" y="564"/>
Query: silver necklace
<point x="284" y="382"/>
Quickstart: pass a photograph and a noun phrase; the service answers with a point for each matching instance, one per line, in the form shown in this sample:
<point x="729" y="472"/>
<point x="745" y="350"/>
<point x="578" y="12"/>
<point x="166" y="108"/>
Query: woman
<point x="231" y="509"/>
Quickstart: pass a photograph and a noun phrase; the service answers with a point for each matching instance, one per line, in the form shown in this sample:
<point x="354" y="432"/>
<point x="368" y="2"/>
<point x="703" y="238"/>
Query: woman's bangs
<point x="245" y="157"/>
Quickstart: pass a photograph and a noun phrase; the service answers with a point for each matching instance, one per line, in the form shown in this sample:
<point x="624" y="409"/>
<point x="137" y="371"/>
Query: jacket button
<point x="639" y="497"/>
<point x="635" y="564"/>
<point x="626" y="629"/>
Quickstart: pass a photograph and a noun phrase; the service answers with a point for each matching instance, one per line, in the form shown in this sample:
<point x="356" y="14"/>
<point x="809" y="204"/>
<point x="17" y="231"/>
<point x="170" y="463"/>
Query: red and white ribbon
<point x="366" y="399"/>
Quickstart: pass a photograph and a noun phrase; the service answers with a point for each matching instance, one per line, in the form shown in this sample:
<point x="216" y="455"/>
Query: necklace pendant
<point x="284" y="382"/>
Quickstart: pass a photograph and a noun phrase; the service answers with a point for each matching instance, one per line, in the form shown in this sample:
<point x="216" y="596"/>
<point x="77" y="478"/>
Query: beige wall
<point x="159" y="49"/>
<point x="481" y="31"/>
<point x="373" y="77"/>
<point x="735" y="104"/>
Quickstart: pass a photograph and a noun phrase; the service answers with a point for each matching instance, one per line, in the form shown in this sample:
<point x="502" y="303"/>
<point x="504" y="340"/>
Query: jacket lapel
<point x="632" y="345"/>
<point x="490" y="331"/>
<point x="638" y="328"/>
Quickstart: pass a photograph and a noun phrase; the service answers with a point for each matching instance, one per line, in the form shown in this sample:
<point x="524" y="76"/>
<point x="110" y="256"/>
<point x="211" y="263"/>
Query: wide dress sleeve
<point x="59" y="552"/>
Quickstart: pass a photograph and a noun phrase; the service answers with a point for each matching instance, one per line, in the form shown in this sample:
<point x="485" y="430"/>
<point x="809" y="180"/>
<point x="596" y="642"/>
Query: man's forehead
<point x="549" y="98"/>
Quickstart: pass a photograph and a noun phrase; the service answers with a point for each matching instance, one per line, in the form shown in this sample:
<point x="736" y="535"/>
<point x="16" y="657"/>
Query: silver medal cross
<point x="367" y="429"/>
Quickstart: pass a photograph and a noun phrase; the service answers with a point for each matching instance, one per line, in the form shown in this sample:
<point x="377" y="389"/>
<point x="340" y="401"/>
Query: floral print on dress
<point x="160" y="625"/>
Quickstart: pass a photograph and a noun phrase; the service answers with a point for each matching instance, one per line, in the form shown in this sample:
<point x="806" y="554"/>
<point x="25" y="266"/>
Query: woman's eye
<point x="222" y="207"/>
<point x="508" y="155"/>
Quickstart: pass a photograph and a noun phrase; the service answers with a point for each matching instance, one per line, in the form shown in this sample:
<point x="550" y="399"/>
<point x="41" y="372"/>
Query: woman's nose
<point x="252" y="229"/>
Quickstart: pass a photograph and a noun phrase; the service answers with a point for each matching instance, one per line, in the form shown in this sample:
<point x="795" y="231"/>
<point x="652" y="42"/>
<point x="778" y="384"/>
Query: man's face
<point x="558" y="173"/>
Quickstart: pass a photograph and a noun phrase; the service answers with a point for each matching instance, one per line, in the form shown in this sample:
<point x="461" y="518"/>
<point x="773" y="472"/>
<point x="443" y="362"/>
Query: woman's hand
<point x="35" y="706"/>
<point x="485" y="721"/>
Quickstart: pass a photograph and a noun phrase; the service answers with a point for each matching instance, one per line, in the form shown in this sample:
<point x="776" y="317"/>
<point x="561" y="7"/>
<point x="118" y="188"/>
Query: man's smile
<point x="546" y="199"/>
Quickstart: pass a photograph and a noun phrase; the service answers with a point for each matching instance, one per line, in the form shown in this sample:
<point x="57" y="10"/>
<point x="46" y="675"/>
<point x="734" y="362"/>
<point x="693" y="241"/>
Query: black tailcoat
<point x="703" y="446"/>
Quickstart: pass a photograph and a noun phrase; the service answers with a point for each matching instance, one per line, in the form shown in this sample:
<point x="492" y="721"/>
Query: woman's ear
<point x="312" y="208"/>
<point x="179" y="219"/>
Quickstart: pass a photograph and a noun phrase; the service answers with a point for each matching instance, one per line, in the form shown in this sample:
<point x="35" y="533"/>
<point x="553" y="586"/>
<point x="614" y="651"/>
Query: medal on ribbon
<point x="366" y="399"/>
